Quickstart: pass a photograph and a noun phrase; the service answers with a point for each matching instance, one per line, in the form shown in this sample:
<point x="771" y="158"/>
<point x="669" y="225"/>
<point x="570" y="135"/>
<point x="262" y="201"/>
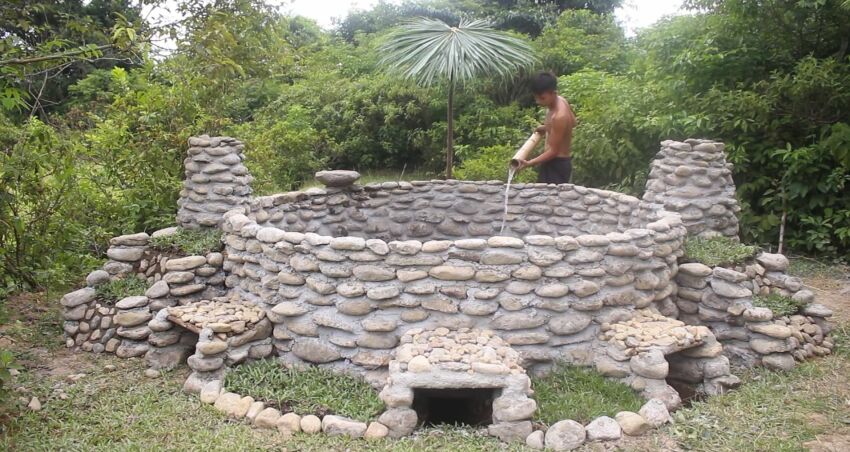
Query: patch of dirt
<point x="657" y="441"/>
<point x="829" y="443"/>
<point x="833" y="293"/>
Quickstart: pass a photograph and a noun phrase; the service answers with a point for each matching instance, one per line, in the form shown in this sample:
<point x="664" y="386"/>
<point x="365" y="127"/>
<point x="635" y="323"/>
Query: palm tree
<point x="431" y="52"/>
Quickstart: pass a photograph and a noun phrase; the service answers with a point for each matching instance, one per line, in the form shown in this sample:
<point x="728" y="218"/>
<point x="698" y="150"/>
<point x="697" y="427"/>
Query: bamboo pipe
<point x="526" y="148"/>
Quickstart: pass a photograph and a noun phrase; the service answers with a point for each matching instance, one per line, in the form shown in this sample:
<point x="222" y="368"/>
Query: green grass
<point x="123" y="410"/>
<point x="808" y="267"/>
<point x="771" y="411"/>
<point x="717" y="251"/>
<point x="102" y="413"/>
<point x="309" y="391"/>
<point x="580" y="394"/>
<point x="190" y="241"/>
<point x="779" y="304"/>
<point x="131" y="285"/>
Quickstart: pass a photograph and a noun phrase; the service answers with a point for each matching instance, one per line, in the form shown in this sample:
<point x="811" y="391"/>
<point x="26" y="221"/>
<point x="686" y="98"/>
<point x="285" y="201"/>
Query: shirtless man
<point x="556" y="160"/>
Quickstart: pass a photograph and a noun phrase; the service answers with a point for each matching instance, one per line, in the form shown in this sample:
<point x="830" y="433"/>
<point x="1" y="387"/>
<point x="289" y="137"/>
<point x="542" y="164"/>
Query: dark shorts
<point x="555" y="171"/>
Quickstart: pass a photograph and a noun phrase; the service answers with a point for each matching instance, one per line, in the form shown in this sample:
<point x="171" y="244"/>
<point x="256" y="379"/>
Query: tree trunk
<point x="450" y="130"/>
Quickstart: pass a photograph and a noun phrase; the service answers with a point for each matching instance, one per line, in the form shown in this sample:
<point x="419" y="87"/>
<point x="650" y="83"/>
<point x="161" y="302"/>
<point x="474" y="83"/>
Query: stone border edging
<point x="561" y="436"/>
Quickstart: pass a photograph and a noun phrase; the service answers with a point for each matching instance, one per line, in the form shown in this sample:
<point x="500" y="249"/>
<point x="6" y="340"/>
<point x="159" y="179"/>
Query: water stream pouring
<point x="521" y="154"/>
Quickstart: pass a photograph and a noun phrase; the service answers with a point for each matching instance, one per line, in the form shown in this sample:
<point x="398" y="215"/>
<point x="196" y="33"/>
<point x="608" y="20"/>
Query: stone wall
<point x="694" y="179"/>
<point x="216" y="181"/>
<point x="437" y="210"/>
<point x="722" y="299"/>
<point x="346" y="300"/>
<point x="120" y="326"/>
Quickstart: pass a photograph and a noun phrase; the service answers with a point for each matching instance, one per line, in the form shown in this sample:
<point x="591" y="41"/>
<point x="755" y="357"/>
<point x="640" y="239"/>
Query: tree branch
<point x="55" y="56"/>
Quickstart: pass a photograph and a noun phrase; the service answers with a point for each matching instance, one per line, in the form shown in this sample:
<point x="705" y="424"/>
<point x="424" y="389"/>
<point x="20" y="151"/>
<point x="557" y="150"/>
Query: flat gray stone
<point x="132" y="302"/>
<point x="341" y="426"/>
<point x="655" y="412"/>
<point x="565" y="435"/>
<point x="774" y="262"/>
<point x="567" y="324"/>
<point x="97" y="278"/>
<point x="604" y="428"/>
<point x="400" y="421"/>
<point x="337" y="178"/>
<point x="78" y="297"/>
<point x="316" y="351"/>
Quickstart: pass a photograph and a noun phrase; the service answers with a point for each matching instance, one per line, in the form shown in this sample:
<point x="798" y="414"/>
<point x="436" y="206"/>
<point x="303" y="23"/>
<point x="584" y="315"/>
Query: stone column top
<point x="337" y="178"/>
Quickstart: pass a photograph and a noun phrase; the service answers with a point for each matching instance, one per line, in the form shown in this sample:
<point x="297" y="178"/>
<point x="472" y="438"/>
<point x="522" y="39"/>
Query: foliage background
<point x="94" y="117"/>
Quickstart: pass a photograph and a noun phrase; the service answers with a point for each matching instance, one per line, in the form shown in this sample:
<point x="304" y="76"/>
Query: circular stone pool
<point x="344" y="271"/>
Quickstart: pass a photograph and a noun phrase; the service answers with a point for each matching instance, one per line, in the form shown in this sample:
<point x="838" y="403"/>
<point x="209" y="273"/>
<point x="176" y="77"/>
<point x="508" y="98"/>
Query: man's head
<point x="544" y="85"/>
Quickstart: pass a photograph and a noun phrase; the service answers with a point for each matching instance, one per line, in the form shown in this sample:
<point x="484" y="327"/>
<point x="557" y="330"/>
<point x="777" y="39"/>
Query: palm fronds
<point x="429" y="50"/>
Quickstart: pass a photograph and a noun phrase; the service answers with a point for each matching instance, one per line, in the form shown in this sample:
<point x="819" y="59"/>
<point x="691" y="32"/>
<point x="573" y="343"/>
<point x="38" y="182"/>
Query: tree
<point x="430" y="52"/>
<point x="46" y="46"/>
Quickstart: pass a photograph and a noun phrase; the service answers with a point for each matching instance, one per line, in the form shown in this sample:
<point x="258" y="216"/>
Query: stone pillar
<point x="694" y="179"/>
<point x="216" y="181"/>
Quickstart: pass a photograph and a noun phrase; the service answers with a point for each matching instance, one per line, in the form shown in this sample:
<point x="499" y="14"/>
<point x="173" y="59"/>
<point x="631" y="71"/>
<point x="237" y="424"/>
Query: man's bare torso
<point x="562" y="112"/>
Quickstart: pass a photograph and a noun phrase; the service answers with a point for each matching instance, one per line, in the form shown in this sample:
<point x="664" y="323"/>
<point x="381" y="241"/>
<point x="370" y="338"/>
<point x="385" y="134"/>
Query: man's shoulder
<point x="561" y="115"/>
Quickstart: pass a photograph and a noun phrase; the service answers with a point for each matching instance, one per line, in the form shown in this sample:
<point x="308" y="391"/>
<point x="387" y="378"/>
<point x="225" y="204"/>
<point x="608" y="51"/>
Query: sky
<point x="634" y="14"/>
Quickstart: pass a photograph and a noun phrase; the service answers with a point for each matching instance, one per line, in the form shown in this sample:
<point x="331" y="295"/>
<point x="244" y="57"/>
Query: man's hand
<point x="540" y="129"/>
<point x="522" y="164"/>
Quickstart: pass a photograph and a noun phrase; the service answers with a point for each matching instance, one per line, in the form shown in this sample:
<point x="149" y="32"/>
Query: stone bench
<point x="226" y="331"/>
<point x="649" y="348"/>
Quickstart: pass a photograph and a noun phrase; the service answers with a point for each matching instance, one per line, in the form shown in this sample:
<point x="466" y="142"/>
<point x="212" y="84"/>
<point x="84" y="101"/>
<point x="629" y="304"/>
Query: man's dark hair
<point x="544" y="81"/>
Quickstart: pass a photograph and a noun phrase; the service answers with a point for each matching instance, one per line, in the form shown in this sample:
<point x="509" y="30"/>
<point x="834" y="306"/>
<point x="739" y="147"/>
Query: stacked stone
<point x="132" y="316"/>
<point x="451" y="209"/>
<point x="220" y="316"/>
<point x="89" y="323"/>
<point x="126" y="254"/>
<point x="464" y="350"/>
<point x="694" y="179"/>
<point x="216" y="181"/>
<point x="207" y="363"/>
<point x="569" y="434"/>
<point x="721" y="298"/>
<point x="230" y="331"/>
<point x="650" y="348"/>
<point x="169" y="346"/>
<point x="185" y="280"/>
<point x="458" y="359"/>
<point x="264" y="417"/>
<point x="346" y="300"/>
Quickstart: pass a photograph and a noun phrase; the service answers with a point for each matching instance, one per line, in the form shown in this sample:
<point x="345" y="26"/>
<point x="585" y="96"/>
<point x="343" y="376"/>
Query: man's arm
<point x="554" y="137"/>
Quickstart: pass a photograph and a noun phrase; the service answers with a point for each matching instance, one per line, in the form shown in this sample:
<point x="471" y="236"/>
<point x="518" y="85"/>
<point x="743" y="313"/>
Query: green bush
<point x="312" y="390"/>
<point x="118" y="288"/>
<point x="7" y="404"/>
<point x="190" y="241"/>
<point x="780" y="305"/>
<point x="492" y="163"/>
<point x="580" y="394"/>
<point x="718" y="250"/>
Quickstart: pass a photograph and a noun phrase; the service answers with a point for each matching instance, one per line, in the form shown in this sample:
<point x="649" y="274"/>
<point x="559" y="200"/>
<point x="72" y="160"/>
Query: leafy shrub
<point x="304" y="391"/>
<point x="780" y="305"/>
<point x="118" y="288"/>
<point x="580" y="394"/>
<point x="190" y="241"/>
<point x="491" y="163"/>
<point x="718" y="250"/>
<point x="7" y="363"/>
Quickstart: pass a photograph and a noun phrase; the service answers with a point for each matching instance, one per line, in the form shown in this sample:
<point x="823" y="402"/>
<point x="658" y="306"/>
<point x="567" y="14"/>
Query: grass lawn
<point x="309" y="391"/>
<point x="580" y="394"/>
<point x="114" y="407"/>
